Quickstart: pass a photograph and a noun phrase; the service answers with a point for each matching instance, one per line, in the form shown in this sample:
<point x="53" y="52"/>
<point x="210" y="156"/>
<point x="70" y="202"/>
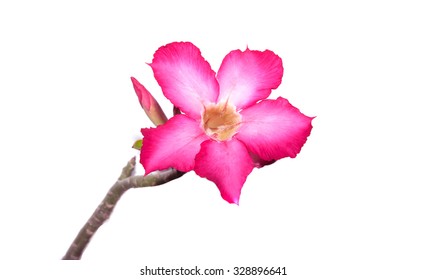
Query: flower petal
<point x="227" y="164"/>
<point x="173" y="144"/>
<point x="249" y="76"/>
<point x="274" y="129"/>
<point x="185" y="77"/>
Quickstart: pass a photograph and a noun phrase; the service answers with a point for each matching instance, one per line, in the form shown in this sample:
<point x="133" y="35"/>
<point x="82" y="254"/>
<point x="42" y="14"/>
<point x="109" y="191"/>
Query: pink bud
<point x="149" y="104"/>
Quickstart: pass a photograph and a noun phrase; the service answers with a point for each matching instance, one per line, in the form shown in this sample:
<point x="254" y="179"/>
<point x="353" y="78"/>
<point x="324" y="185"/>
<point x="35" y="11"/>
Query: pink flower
<point x="228" y="127"/>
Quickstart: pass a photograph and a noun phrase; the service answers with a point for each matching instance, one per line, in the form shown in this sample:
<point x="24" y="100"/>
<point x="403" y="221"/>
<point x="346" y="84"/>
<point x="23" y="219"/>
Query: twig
<point x="104" y="210"/>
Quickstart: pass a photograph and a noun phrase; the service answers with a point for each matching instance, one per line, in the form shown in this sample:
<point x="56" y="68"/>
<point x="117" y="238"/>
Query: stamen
<point x="221" y="121"/>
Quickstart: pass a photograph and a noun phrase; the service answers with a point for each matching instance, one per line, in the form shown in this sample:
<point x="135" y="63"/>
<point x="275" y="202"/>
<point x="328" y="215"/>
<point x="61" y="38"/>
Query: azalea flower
<point x="227" y="126"/>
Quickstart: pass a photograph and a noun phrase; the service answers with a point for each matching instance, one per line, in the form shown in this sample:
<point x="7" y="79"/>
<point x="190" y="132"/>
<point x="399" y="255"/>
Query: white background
<point x="350" y="206"/>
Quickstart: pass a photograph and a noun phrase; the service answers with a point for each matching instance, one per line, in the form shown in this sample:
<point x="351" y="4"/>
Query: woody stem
<point x="102" y="213"/>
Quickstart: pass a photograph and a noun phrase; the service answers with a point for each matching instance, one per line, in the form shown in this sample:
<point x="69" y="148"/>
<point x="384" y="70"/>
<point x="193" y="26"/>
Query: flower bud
<point x="149" y="104"/>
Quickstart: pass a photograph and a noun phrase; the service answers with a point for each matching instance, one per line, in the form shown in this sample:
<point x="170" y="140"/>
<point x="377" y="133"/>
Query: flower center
<point x="221" y="121"/>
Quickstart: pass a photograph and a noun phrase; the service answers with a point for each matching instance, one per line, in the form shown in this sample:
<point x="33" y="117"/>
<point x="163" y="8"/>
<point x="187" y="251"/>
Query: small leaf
<point x="138" y="144"/>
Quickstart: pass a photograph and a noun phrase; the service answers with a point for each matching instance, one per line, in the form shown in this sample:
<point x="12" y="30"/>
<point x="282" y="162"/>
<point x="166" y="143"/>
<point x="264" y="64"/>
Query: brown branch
<point x="105" y="208"/>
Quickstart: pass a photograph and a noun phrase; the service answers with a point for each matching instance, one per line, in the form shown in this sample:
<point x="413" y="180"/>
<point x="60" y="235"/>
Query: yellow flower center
<point x="221" y="121"/>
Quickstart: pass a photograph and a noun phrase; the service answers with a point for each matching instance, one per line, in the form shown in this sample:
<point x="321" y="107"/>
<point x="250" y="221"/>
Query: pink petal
<point x="249" y="76"/>
<point x="185" y="77"/>
<point x="173" y="144"/>
<point x="227" y="164"/>
<point x="274" y="129"/>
